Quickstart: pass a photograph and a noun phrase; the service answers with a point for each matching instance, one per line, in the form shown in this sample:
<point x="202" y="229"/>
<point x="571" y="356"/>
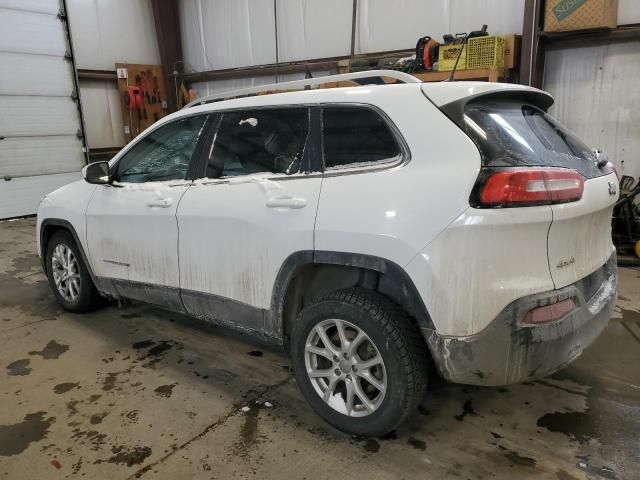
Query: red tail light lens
<point x="549" y="313"/>
<point x="516" y="187"/>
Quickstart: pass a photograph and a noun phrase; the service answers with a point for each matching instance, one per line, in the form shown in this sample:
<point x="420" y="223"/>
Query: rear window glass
<point x="511" y="133"/>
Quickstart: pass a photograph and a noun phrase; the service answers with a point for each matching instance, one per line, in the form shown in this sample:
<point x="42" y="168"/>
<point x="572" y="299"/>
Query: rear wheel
<point x="359" y="361"/>
<point x="68" y="275"/>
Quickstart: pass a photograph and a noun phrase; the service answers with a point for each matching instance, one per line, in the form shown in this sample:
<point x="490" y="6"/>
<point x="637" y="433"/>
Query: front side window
<point x="265" y="140"/>
<point x="164" y="154"/>
<point x="354" y="135"/>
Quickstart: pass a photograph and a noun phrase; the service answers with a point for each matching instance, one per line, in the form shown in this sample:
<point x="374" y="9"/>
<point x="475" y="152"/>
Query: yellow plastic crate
<point x="448" y="55"/>
<point x="485" y="52"/>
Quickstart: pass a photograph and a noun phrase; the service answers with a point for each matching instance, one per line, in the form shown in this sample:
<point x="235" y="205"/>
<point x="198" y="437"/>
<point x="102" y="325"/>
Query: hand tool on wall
<point x="140" y="81"/>
<point x="156" y="88"/>
<point x="133" y="100"/>
<point x="149" y="90"/>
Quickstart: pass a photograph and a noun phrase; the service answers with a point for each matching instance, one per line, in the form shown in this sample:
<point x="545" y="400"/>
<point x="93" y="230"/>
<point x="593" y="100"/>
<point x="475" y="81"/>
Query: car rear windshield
<point x="512" y="134"/>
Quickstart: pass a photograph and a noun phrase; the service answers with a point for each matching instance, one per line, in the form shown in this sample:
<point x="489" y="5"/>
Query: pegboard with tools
<point x="143" y="98"/>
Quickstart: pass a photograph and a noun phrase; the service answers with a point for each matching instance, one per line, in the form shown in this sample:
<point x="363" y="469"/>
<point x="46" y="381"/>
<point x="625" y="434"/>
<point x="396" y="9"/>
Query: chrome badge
<point x="613" y="188"/>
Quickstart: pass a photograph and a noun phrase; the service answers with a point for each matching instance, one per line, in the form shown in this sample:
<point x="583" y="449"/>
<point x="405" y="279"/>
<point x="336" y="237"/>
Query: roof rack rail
<point x="403" y="77"/>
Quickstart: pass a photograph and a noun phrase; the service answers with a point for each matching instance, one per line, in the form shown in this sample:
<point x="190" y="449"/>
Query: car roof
<point x="440" y="93"/>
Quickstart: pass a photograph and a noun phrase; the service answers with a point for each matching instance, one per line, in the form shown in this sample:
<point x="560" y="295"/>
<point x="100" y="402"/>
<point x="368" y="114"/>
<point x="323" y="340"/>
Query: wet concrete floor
<point x="137" y="392"/>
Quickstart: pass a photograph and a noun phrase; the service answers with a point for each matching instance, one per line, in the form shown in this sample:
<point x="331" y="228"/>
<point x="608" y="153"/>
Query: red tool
<point x="133" y="98"/>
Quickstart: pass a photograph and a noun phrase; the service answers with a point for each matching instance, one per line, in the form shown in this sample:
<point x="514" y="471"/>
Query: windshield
<point x="512" y="133"/>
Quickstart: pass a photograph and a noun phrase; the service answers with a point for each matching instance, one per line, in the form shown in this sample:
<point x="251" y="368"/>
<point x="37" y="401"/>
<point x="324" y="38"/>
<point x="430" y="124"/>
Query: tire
<point x="86" y="296"/>
<point x="391" y="337"/>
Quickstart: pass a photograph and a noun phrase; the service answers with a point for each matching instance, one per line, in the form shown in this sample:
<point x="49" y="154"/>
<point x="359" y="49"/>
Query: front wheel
<point x="68" y="275"/>
<point x="359" y="361"/>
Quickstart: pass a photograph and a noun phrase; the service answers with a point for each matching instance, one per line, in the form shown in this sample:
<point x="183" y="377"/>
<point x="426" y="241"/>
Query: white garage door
<point x="39" y="121"/>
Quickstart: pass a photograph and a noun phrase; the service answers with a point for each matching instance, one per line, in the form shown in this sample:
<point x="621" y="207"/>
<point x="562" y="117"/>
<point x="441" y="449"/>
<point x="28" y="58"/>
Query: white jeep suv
<point x="369" y="230"/>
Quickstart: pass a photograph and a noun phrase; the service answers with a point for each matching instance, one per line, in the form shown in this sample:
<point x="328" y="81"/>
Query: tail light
<point x="549" y="313"/>
<point x="520" y="187"/>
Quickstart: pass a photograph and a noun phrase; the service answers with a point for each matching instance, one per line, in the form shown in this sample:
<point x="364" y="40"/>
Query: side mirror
<point x="97" y="172"/>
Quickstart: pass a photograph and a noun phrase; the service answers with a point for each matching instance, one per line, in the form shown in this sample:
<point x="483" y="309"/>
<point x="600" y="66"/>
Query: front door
<point x="132" y="232"/>
<point x="255" y="207"/>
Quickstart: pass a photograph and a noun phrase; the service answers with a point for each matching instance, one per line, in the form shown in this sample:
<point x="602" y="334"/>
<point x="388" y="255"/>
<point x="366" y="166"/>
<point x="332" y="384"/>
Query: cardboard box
<point x="564" y="15"/>
<point x="512" y="50"/>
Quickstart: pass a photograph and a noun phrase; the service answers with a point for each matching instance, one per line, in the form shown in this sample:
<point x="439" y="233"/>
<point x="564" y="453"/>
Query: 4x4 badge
<point x="613" y="189"/>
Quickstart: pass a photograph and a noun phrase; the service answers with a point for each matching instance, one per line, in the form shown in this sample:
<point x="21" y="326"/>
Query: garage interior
<point x="133" y="391"/>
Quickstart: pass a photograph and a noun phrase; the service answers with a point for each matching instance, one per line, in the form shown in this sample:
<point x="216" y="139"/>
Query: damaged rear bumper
<point x="509" y="352"/>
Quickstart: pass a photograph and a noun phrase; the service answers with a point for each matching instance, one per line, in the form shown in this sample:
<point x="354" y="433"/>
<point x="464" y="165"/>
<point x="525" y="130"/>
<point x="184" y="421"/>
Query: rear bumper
<point x="507" y="352"/>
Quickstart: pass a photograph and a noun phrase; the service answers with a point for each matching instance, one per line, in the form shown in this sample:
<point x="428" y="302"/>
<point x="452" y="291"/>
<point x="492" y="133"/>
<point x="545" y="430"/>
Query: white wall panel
<point x="26" y="32"/>
<point x="24" y="75"/>
<point x="227" y="33"/>
<point x="221" y="86"/>
<point x="41" y="6"/>
<point x="21" y="196"/>
<point x="102" y="114"/>
<point x="217" y="86"/>
<point x="501" y="16"/>
<point x="38" y="116"/>
<point x="596" y="93"/>
<point x="313" y="29"/>
<point x="220" y="34"/>
<point x="40" y="156"/>
<point x="628" y="12"/>
<point x="384" y="25"/>
<point x="107" y="31"/>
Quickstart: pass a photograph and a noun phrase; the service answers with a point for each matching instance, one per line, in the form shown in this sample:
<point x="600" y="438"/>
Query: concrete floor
<point x="138" y="392"/>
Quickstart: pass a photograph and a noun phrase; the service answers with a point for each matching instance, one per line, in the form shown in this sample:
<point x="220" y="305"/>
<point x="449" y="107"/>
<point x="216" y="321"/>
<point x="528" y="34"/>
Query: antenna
<point x="475" y="33"/>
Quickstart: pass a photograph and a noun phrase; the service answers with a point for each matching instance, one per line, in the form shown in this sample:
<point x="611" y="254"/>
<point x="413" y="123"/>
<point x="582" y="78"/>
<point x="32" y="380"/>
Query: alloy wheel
<point x="66" y="274"/>
<point x="345" y="368"/>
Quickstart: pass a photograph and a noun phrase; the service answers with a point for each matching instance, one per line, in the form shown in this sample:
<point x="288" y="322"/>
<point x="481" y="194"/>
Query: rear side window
<point x="511" y="134"/>
<point x="354" y="136"/>
<point x="269" y="140"/>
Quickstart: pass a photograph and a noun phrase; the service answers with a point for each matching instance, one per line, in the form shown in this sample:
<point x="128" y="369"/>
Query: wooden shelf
<point x="486" y="74"/>
<point x="622" y="32"/>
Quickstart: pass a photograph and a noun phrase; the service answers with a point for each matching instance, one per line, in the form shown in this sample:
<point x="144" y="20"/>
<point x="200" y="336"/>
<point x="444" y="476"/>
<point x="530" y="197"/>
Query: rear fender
<point x="393" y="282"/>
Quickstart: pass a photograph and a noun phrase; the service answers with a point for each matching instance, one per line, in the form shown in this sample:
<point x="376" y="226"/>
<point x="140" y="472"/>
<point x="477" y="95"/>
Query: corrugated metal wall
<point x="597" y="94"/>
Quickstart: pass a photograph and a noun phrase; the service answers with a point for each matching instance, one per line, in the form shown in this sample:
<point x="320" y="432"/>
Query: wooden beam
<point x="622" y="32"/>
<point x="167" y="20"/>
<point x="98" y="154"/>
<point x="533" y="46"/>
<point x="85" y="74"/>
<point x="326" y="63"/>
<point x="486" y="74"/>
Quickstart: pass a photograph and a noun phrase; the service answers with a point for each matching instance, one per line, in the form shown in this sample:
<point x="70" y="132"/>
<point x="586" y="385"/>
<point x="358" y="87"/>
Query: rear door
<point x="255" y="207"/>
<point x="512" y="133"/>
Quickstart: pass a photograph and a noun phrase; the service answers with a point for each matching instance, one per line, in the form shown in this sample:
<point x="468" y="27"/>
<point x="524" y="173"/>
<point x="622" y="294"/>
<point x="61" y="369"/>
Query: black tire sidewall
<point x="394" y="405"/>
<point x="83" y="302"/>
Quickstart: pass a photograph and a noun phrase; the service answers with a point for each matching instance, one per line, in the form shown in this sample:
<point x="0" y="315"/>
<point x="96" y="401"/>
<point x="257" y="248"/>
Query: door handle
<point x="160" y="202"/>
<point x="286" y="201"/>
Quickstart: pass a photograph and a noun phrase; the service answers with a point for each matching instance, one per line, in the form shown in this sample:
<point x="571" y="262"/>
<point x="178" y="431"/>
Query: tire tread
<point x="402" y="332"/>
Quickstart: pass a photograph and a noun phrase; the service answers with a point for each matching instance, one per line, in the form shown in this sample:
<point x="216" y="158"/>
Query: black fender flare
<point x="394" y="282"/>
